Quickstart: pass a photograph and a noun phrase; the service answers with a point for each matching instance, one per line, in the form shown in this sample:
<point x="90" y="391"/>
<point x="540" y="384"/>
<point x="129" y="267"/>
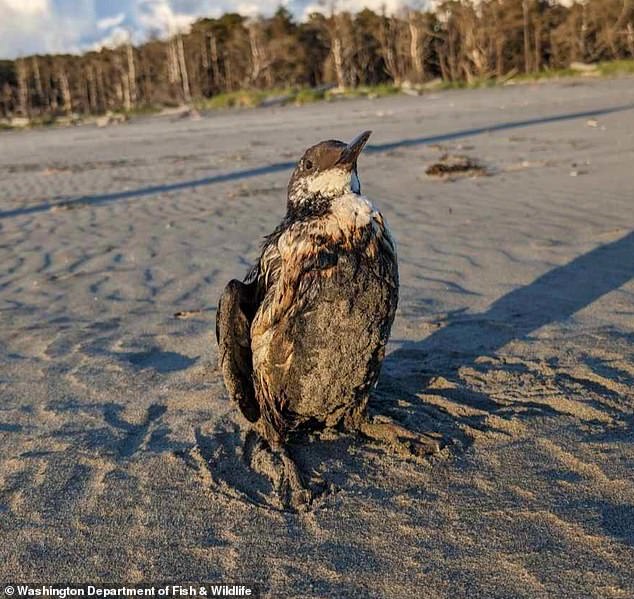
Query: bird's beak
<point x="353" y="149"/>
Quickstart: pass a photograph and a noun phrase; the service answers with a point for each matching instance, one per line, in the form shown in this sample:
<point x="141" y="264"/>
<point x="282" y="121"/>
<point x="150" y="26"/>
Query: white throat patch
<point x="333" y="182"/>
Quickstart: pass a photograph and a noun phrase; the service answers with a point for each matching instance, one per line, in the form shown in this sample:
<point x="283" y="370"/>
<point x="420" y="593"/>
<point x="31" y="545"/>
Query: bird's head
<point x="325" y="172"/>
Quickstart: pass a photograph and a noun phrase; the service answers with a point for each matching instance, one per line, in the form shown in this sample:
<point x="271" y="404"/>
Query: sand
<point x="120" y="455"/>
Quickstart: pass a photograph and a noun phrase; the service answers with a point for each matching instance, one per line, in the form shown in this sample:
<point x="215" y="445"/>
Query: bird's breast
<point x="315" y="250"/>
<point x="351" y="224"/>
<point x="351" y="211"/>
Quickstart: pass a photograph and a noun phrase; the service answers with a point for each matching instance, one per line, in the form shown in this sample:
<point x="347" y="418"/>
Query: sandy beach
<point x="120" y="454"/>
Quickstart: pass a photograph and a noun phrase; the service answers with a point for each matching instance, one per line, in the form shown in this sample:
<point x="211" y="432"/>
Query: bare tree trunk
<point x="342" y="46"/>
<point x="204" y="60"/>
<point x="65" y="89"/>
<point x="499" y="44"/>
<point x="92" y="89"/>
<point x="336" y="46"/>
<point x="102" y="100"/>
<point x="537" y="64"/>
<point x="337" y="55"/>
<point x="527" y="41"/>
<point x="6" y="100"/>
<point x="145" y="79"/>
<point x="213" y="55"/>
<point x="52" y="99"/>
<point x="124" y="83"/>
<point x="415" y="49"/>
<point x="584" y="29"/>
<point x="499" y="57"/>
<point x="445" y="72"/>
<point x="453" y="68"/>
<point x="204" y="55"/>
<point x="84" y="100"/>
<point x="131" y="74"/>
<point x="257" y="61"/>
<point x="626" y="16"/>
<point x="228" y="72"/>
<point x="23" y="87"/>
<point x="187" y="96"/>
<point x="119" y="94"/>
<point x="172" y="61"/>
<point x="38" y="85"/>
<point x="389" y="53"/>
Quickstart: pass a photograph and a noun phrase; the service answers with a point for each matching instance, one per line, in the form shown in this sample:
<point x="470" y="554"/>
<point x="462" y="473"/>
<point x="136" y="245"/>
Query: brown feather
<point x="293" y="269"/>
<point x="236" y="309"/>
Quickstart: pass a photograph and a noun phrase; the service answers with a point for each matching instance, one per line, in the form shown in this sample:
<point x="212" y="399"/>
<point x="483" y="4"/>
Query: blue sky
<point x="41" y="26"/>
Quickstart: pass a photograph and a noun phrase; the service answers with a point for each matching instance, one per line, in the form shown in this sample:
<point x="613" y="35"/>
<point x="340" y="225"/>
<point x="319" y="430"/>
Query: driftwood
<point x="452" y="165"/>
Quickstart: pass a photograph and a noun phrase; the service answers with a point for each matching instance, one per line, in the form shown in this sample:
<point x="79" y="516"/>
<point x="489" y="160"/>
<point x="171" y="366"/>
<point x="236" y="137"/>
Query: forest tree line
<point x="462" y="40"/>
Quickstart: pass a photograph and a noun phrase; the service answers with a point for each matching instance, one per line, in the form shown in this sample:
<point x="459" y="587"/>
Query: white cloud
<point x="353" y="6"/>
<point x="36" y="26"/>
<point x="115" y="38"/>
<point x="110" y="22"/>
<point x="249" y="9"/>
<point x="40" y="26"/>
<point x="26" y="7"/>
<point x="163" y="18"/>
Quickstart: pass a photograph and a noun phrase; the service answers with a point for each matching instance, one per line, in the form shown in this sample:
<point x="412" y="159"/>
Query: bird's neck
<point x="347" y="210"/>
<point x="308" y="207"/>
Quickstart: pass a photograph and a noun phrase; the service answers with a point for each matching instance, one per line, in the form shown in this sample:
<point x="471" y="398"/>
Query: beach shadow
<point x="223" y="454"/>
<point x="553" y="297"/>
<point x="618" y="521"/>
<point x="229" y="456"/>
<point x="106" y="198"/>
<point x="7" y="427"/>
<point x="116" y="437"/>
<point x="161" y="361"/>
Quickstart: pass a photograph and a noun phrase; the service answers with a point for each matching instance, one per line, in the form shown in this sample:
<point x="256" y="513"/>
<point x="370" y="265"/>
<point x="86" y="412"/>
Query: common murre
<point x="302" y="339"/>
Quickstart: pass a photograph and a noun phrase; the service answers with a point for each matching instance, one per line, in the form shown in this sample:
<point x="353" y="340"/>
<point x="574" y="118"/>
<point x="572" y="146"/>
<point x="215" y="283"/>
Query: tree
<point x="460" y="40"/>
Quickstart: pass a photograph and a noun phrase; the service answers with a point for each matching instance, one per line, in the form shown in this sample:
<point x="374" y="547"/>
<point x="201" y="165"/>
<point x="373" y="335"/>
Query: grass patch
<point x="146" y="109"/>
<point x="548" y="74"/>
<point x="247" y="98"/>
<point x="519" y="78"/>
<point x="603" y="69"/>
<point x="294" y="95"/>
<point x="43" y="121"/>
<point x="473" y="84"/>
<point x="611" y="68"/>
<point x="303" y="95"/>
<point x="364" y="91"/>
<point x="307" y="95"/>
<point x="616" y="67"/>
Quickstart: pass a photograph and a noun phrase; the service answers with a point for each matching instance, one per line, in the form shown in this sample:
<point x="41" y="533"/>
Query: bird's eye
<point x="308" y="165"/>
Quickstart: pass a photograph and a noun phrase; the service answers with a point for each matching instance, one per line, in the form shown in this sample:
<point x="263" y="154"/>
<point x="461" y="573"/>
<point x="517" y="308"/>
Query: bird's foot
<point x="277" y="464"/>
<point x="400" y="439"/>
<point x="294" y="493"/>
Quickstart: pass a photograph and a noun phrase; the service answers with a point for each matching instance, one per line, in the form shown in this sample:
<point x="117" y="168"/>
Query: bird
<point x="302" y="338"/>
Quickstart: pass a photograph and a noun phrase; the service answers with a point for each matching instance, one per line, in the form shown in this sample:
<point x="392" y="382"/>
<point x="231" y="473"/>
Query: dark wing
<point x="236" y="309"/>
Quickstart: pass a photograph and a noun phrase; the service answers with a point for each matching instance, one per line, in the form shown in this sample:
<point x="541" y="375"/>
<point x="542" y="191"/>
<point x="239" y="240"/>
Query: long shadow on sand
<point x="553" y="297"/>
<point x="106" y="198"/>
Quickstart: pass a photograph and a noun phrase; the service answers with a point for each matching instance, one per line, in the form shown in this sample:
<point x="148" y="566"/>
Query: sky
<point x="51" y="26"/>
